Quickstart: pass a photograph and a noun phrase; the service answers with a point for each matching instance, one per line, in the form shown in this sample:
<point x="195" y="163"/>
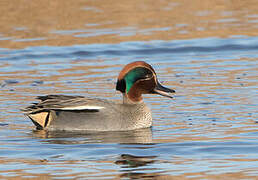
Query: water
<point x="208" y="131"/>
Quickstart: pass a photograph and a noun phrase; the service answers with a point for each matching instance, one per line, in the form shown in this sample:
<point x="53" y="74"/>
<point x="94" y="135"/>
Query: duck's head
<point x="139" y="78"/>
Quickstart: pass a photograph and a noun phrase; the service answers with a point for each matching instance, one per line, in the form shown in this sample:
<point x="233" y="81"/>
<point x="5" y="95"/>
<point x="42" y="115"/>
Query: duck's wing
<point x="57" y="97"/>
<point x="64" y="102"/>
<point x="43" y="112"/>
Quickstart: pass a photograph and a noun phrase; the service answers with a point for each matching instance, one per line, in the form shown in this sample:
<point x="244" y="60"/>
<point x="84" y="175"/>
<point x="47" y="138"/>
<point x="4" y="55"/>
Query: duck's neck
<point x="127" y="100"/>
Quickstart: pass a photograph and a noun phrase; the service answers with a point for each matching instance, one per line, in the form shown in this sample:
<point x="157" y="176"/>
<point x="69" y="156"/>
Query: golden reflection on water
<point x="63" y="22"/>
<point x="123" y="160"/>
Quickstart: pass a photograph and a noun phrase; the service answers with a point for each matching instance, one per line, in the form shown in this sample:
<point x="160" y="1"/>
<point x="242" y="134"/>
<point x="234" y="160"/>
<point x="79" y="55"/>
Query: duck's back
<point x="60" y="112"/>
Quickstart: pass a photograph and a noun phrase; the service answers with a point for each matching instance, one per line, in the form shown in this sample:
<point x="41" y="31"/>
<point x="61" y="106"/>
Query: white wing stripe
<point x="82" y="107"/>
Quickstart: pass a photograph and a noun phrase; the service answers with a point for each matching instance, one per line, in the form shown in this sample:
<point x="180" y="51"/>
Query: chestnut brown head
<point x="139" y="78"/>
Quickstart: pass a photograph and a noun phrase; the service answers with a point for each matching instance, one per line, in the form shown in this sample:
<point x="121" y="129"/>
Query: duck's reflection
<point x="131" y="166"/>
<point x="82" y="137"/>
<point x="134" y="167"/>
<point x="131" y="161"/>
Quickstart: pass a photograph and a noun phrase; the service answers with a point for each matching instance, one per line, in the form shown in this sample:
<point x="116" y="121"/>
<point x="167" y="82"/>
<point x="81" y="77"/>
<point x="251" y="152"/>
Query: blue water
<point x="208" y="129"/>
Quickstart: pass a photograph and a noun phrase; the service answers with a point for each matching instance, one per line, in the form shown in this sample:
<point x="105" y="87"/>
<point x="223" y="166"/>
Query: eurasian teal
<point x="62" y="112"/>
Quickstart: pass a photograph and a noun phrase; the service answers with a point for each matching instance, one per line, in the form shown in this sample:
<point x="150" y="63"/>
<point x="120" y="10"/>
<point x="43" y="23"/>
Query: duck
<point x="71" y="113"/>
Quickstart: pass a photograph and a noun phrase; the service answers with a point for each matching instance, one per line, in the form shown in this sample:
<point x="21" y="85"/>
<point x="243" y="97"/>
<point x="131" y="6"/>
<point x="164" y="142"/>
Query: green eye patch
<point x="134" y="75"/>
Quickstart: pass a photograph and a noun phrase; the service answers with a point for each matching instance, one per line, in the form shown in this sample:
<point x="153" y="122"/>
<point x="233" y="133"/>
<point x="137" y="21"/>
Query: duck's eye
<point x="147" y="76"/>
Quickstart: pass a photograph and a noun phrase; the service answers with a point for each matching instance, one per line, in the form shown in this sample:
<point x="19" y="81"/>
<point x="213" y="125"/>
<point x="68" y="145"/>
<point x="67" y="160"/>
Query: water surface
<point x="206" y="52"/>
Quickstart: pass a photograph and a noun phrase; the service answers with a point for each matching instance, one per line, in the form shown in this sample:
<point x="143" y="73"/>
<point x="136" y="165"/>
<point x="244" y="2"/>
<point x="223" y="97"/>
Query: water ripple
<point x="196" y="46"/>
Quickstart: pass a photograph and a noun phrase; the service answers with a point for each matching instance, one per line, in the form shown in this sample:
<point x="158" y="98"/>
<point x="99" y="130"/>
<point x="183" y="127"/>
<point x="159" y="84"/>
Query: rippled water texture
<point x="206" y="50"/>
